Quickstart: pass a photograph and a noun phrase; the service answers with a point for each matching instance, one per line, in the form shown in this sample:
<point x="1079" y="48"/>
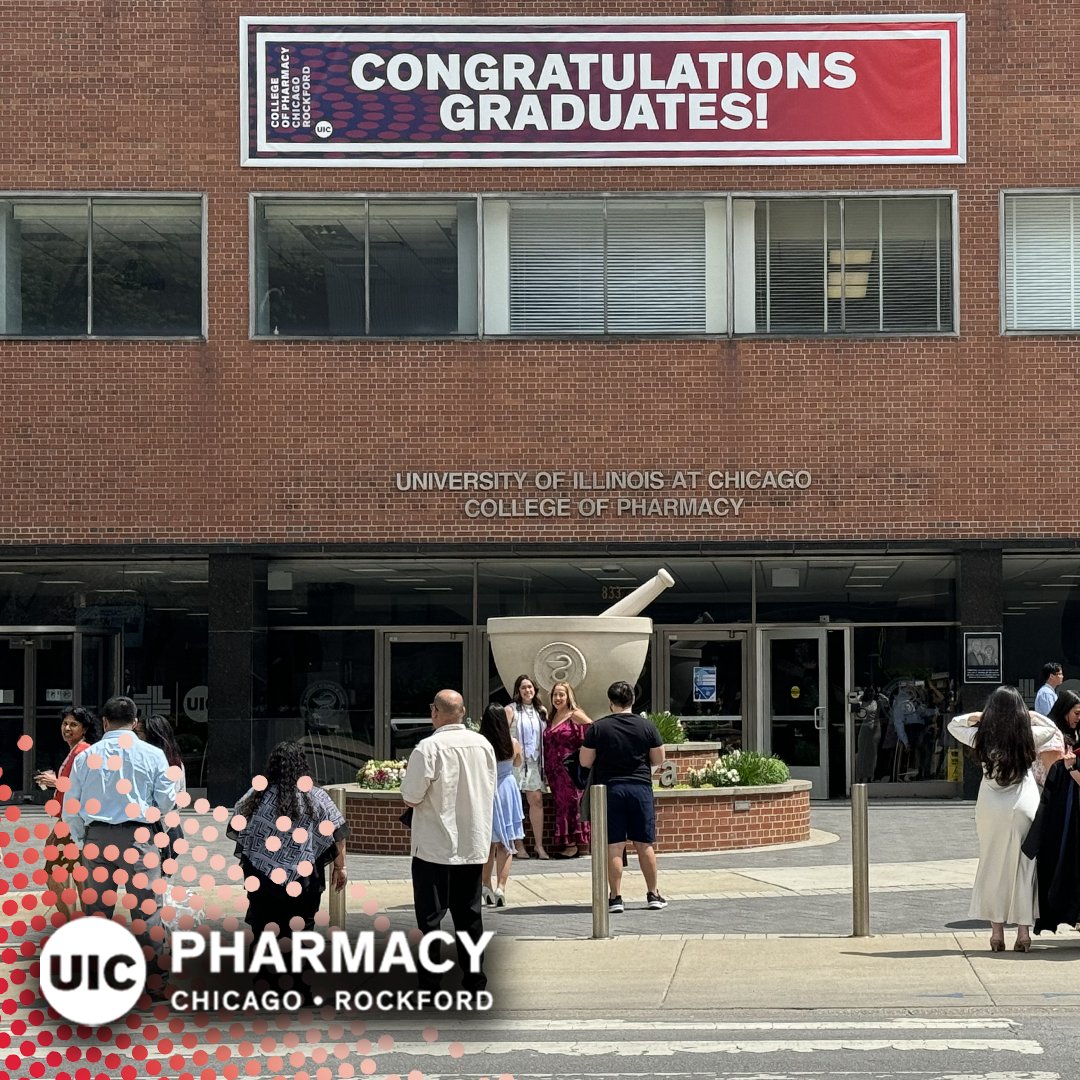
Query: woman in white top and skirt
<point x="1008" y="741"/>
<point x="527" y="718"/>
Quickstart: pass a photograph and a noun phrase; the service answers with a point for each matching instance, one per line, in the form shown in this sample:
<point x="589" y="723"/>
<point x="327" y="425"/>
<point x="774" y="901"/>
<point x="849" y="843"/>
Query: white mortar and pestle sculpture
<point x="590" y="652"/>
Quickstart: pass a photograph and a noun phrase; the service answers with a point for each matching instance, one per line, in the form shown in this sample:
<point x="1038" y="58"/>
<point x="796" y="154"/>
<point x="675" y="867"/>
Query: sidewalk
<point x="760" y="929"/>
<point x="678" y="975"/>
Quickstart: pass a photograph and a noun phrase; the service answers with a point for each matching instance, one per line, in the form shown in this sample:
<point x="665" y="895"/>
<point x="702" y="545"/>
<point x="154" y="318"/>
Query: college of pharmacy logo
<point x="325" y="706"/>
<point x="92" y="971"/>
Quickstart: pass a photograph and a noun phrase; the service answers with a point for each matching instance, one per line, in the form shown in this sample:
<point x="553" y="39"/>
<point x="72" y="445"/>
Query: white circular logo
<point x="559" y="661"/>
<point x="324" y="129"/>
<point x="195" y="707"/>
<point x="92" y="971"/>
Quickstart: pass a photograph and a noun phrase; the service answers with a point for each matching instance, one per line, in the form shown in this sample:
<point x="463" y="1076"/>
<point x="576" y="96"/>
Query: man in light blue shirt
<point x="1053" y="677"/>
<point x="116" y="787"/>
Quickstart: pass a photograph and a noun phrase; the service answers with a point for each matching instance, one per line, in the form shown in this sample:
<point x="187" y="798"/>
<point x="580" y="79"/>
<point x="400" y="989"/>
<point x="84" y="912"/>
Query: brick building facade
<point x="214" y="518"/>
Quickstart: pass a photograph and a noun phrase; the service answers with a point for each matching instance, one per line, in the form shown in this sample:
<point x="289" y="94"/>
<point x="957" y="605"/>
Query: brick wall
<point x="685" y="820"/>
<point x="234" y="441"/>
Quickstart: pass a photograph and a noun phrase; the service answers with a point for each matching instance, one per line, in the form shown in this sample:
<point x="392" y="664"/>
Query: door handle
<point x="821" y="718"/>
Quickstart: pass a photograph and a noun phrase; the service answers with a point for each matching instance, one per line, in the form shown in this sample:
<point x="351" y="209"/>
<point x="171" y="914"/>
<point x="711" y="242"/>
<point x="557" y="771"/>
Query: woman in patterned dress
<point x="562" y="737"/>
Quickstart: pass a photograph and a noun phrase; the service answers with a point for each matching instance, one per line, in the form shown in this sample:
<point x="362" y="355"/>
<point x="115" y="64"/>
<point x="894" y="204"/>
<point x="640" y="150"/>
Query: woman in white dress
<point x="527" y="718"/>
<point x="1008" y="741"/>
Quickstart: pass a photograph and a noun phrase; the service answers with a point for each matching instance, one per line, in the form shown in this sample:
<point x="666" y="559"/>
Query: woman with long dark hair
<point x="79" y="730"/>
<point x="1066" y="714"/>
<point x="1007" y="739"/>
<point x="507" y="820"/>
<point x="527" y="716"/>
<point x="311" y="835"/>
<point x="157" y="731"/>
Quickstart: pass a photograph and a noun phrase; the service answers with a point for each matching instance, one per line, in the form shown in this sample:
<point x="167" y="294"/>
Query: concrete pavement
<point x="680" y="960"/>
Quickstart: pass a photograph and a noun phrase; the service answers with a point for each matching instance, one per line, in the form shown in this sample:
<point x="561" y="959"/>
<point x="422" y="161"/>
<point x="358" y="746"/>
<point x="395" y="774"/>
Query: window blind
<point x="1042" y="250"/>
<point x="608" y="267"/>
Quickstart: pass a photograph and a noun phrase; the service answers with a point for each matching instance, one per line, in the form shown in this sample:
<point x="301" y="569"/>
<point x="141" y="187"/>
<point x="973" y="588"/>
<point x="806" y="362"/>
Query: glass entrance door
<point x="415" y="668"/>
<point x="38" y="673"/>
<point x="16" y="765"/>
<point x="794" y="680"/>
<point x="41" y="673"/>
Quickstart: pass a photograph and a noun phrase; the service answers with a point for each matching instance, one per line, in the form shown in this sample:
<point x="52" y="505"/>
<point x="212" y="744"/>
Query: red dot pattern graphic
<point x="153" y="1040"/>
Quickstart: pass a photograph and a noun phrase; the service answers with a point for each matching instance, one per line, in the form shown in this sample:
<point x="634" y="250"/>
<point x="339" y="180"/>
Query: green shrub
<point x="740" y="768"/>
<point x="669" y="725"/>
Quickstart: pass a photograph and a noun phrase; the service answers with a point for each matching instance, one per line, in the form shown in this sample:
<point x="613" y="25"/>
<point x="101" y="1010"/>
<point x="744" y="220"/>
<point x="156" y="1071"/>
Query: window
<point x="1042" y="262"/>
<point x="848" y="265"/>
<point x="359" y="267"/>
<point x="101" y="266"/>
<point x="604" y="266"/>
<point x="630" y="266"/>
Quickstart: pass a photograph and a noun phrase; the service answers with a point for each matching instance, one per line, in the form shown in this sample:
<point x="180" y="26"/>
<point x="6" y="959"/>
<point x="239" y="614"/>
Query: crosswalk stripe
<point x="641" y="1048"/>
<point x="906" y="1023"/>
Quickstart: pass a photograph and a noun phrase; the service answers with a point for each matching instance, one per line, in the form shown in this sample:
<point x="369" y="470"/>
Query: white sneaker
<point x="500" y="899"/>
<point x="488" y="896"/>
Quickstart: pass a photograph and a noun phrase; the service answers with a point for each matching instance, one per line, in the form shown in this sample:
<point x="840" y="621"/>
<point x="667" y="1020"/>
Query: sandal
<point x="540" y="853"/>
<point x="1022" y="945"/>
<point x="570" y="853"/>
<point x="997" y="944"/>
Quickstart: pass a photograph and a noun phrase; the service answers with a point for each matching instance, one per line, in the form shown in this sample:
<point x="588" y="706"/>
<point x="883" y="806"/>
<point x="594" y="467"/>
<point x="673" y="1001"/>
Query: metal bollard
<point x="860" y="862"/>
<point x="337" y="899"/>
<point x="598" y="849"/>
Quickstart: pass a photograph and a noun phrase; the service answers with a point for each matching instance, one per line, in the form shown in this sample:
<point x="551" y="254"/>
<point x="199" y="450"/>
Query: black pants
<point x="438" y="889"/>
<point x="270" y="903"/>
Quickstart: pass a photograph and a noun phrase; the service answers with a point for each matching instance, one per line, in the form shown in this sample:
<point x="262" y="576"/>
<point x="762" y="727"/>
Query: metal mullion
<point x="881" y="269"/>
<point x="937" y="258"/>
<point x="89" y="266"/>
<point x="825" y="267"/>
<point x="604" y="266"/>
<point x="843" y="262"/>
<point x="768" y="266"/>
<point x="367" y="267"/>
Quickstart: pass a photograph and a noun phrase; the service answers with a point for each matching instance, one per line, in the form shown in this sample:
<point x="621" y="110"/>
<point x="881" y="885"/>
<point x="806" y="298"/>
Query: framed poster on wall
<point x="982" y="658"/>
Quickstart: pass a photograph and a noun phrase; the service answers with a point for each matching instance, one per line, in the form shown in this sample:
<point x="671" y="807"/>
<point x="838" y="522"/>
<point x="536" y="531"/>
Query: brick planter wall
<point x="716" y="819"/>
<point x="691" y="755"/>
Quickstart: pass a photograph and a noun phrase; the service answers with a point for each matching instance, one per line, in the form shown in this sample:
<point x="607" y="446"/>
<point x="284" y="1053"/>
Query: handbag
<point x="579" y="775"/>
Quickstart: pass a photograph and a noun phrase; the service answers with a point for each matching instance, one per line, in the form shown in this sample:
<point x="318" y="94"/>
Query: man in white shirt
<point x="1053" y="677"/>
<point x="450" y="785"/>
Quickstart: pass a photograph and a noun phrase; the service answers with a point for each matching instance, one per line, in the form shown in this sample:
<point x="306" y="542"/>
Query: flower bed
<point x="699" y="819"/>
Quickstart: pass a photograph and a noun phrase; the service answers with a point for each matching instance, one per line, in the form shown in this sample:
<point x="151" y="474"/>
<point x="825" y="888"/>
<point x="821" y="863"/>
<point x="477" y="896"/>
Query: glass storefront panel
<point x="417" y="669"/>
<point x="157" y="609"/>
<point x="320" y="690"/>
<point x="919" y="589"/>
<point x="705" y="686"/>
<point x="705" y="590"/>
<point x="358" y="592"/>
<point x="907" y="689"/>
<point x="1041" y="598"/>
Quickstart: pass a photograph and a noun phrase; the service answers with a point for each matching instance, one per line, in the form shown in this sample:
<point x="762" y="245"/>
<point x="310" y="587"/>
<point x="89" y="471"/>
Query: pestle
<point x="636" y="602"/>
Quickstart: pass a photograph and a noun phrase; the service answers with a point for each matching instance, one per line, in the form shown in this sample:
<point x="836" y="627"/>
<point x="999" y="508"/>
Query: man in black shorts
<point x="621" y="749"/>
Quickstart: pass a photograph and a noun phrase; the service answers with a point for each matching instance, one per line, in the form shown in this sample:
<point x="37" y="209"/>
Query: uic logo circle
<point x="92" y="971"/>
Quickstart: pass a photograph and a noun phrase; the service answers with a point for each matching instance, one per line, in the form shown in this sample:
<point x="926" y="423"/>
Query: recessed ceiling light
<point x="134" y="573"/>
<point x="189" y="581"/>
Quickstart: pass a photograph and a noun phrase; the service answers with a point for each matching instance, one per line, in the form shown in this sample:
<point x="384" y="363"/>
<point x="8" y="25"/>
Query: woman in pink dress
<point x="562" y="737"/>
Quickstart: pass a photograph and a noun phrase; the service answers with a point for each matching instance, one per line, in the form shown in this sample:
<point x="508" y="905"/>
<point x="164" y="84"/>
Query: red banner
<point x="452" y="92"/>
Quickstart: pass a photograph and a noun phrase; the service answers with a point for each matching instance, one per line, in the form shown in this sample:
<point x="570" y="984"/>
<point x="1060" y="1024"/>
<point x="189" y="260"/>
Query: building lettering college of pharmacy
<point x="328" y="338"/>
